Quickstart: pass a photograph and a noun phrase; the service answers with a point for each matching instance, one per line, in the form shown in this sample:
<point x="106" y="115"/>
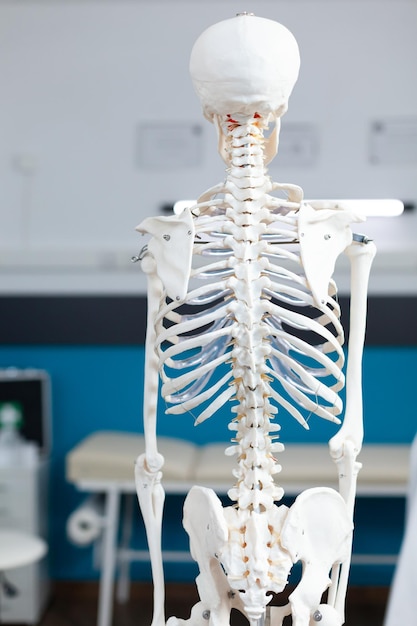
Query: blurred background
<point x="100" y="128"/>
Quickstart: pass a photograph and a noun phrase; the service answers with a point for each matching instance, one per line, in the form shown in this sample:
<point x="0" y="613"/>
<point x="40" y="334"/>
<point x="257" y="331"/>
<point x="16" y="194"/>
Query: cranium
<point x="244" y="65"/>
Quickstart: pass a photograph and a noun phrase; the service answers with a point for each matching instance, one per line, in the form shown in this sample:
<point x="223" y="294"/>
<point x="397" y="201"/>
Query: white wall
<point x="79" y="78"/>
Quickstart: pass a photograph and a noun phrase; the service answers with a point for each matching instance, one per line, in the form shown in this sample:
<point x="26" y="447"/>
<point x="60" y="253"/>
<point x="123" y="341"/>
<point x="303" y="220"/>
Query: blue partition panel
<point x="100" y="388"/>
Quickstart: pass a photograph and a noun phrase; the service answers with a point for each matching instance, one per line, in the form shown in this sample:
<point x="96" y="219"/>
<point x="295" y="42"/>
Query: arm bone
<point x="147" y="468"/>
<point x="347" y="443"/>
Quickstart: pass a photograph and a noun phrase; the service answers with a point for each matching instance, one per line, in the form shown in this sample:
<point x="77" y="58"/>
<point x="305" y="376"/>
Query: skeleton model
<point x="243" y="317"/>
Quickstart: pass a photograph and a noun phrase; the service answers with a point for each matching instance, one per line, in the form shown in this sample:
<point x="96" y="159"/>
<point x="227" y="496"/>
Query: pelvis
<point x="246" y="556"/>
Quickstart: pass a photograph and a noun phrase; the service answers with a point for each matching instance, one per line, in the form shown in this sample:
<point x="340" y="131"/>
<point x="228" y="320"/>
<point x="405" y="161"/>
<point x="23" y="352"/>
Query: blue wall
<point x="100" y="388"/>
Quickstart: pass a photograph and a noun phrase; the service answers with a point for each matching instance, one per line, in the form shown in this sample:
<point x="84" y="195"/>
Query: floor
<point x="75" y="604"/>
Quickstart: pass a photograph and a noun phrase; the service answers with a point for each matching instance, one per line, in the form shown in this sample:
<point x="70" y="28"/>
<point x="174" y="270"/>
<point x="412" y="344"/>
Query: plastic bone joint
<point x="243" y="320"/>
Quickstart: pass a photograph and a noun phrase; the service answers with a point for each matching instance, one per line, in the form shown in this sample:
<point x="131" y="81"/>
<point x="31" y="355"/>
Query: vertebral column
<point x="247" y="186"/>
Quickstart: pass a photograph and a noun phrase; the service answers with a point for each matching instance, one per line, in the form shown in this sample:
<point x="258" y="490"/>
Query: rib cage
<point x="249" y="329"/>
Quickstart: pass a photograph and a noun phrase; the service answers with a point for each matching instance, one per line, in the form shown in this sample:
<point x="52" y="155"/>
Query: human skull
<point x="244" y="65"/>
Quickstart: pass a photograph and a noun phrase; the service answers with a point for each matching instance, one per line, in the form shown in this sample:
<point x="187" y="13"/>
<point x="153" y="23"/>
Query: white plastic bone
<point x="260" y="334"/>
<point x="207" y="529"/>
<point x="346" y="444"/>
<point x="148" y="466"/>
<point x="324" y="235"/>
<point x="168" y="234"/>
<point x="243" y="65"/>
<point x="151" y="498"/>
<point x="317" y="532"/>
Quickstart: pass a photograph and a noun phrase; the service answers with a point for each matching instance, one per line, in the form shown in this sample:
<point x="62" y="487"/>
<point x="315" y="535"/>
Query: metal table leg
<point x="111" y="523"/>
<point x="123" y="584"/>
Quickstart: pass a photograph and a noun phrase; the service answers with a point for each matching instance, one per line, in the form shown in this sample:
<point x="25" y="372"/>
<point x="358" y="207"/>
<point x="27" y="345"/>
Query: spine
<point x="247" y="185"/>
